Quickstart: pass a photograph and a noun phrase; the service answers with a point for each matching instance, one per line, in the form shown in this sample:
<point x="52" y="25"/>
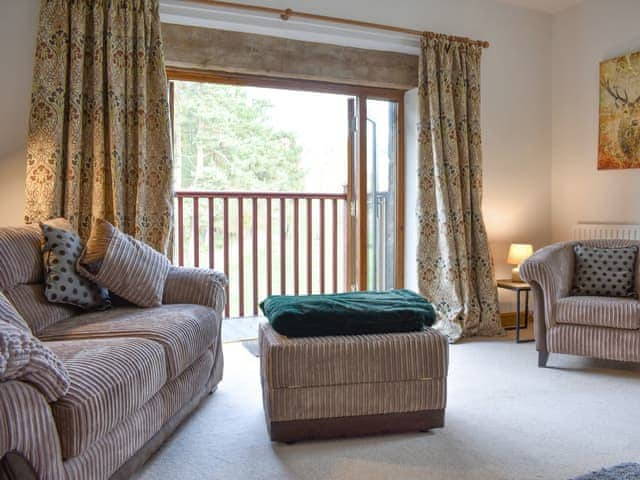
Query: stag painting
<point x="619" y="142"/>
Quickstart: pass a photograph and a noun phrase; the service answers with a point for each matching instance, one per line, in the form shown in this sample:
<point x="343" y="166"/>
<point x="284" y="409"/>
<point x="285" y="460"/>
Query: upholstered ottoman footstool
<point x="323" y="387"/>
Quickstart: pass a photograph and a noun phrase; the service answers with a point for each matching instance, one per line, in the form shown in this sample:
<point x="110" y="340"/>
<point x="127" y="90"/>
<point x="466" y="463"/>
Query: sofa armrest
<point x="28" y="430"/>
<point x="198" y="286"/>
<point x="551" y="270"/>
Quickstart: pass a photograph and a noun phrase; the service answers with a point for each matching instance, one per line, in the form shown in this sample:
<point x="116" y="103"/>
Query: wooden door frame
<point x="362" y="94"/>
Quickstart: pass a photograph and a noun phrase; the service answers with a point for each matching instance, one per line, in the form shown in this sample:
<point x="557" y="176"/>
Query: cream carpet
<point x="506" y="419"/>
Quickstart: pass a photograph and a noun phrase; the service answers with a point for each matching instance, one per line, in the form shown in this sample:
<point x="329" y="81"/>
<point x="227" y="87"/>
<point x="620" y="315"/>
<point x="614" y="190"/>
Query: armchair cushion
<point x="124" y="265"/>
<point x="611" y="312"/>
<point x="606" y="272"/>
<point x="23" y="357"/>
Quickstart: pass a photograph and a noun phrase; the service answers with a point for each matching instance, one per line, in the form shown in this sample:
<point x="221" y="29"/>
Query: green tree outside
<point x="224" y="141"/>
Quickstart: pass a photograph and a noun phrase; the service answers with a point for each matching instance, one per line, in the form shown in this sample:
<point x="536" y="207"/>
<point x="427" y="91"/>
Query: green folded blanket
<point x="353" y="313"/>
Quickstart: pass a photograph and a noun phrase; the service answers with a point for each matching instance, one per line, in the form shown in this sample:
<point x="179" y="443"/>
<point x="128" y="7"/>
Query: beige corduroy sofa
<point x="133" y="373"/>
<point x="600" y="327"/>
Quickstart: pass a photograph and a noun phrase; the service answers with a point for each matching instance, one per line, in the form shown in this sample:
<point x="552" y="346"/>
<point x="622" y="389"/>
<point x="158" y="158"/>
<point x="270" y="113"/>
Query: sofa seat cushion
<point x="110" y="379"/>
<point x="184" y="331"/>
<point x="611" y="312"/>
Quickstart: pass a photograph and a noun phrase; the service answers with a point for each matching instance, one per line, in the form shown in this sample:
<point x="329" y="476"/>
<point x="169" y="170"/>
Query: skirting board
<point x="325" y="428"/>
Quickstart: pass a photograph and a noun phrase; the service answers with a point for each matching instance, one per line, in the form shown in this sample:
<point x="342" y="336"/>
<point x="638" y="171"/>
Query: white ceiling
<point x="546" y="6"/>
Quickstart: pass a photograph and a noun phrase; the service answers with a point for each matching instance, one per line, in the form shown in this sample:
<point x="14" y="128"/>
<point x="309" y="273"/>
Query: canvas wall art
<point x="619" y="131"/>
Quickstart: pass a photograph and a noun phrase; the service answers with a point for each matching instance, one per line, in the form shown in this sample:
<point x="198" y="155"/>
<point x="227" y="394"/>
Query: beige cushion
<point x="110" y="379"/>
<point x="612" y="312"/>
<point x="124" y="265"/>
<point x="23" y="357"/>
<point x="184" y="331"/>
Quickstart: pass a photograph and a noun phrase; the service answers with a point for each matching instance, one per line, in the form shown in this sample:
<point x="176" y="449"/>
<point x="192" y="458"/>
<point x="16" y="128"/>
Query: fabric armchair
<point x="199" y="286"/>
<point x="606" y="327"/>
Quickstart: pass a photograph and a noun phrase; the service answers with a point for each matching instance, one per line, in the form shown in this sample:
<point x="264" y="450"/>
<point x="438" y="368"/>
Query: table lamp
<point x="518" y="253"/>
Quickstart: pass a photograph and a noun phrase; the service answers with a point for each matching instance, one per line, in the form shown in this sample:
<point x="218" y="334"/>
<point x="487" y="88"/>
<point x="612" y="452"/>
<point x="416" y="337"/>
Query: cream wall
<point x="516" y="81"/>
<point x="583" y="36"/>
<point x="17" y="43"/>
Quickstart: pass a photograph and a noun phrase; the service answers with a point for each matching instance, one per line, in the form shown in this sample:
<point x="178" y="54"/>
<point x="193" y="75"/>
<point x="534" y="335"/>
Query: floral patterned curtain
<point x="455" y="269"/>
<point x="99" y="136"/>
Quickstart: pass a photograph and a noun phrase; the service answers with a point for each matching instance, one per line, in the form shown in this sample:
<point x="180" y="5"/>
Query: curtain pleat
<point x="99" y="141"/>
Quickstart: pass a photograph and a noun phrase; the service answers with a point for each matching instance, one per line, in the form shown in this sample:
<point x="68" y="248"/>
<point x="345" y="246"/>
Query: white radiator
<point x="596" y="231"/>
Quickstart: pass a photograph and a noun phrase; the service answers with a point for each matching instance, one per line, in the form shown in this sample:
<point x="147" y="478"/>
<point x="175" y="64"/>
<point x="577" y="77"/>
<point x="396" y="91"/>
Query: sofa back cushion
<point x="20" y="256"/>
<point x="22" y="276"/>
<point x="9" y="314"/>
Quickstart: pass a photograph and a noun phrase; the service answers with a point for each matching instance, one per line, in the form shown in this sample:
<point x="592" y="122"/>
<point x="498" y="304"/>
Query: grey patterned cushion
<point x="605" y="272"/>
<point x="124" y="265"/>
<point x="63" y="284"/>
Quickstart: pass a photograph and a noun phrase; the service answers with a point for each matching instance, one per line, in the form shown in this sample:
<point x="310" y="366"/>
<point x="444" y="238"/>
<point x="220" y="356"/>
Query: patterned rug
<point x="624" y="471"/>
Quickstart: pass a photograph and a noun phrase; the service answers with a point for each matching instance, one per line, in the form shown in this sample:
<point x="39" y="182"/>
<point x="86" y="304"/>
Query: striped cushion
<point x="39" y="314"/>
<point x="9" y="314"/>
<point x="23" y="357"/>
<point x="110" y="379"/>
<point x="185" y="331"/>
<point x="613" y="312"/>
<point x="607" y="343"/>
<point x="124" y="265"/>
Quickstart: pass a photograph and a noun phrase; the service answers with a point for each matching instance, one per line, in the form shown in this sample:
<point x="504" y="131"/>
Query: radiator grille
<point x="598" y="231"/>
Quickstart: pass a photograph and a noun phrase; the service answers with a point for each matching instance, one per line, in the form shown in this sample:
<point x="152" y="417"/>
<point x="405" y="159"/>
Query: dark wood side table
<point x="518" y="287"/>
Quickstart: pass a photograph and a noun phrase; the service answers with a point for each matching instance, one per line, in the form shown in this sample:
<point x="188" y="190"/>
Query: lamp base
<point x="515" y="275"/>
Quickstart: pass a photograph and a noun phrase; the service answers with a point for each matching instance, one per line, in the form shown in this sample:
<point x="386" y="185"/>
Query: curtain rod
<point x="286" y="14"/>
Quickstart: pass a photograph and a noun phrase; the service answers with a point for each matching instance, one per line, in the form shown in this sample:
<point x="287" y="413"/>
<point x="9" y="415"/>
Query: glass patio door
<point x="376" y="179"/>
